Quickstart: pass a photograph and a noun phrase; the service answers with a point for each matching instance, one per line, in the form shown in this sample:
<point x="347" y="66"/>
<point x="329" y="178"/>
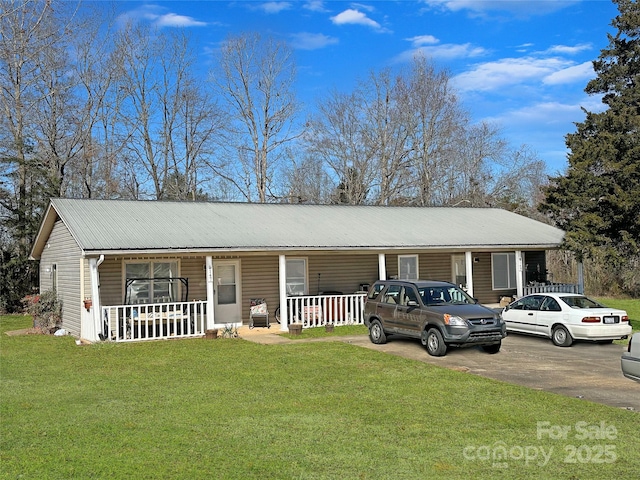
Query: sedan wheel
<point x="561" y="337"/>
<point x="376" y="333"/>
<point x="435" y="343"/>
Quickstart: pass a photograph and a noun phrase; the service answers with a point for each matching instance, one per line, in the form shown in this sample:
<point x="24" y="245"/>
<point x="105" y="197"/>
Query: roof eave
<point x="284" y="249"/>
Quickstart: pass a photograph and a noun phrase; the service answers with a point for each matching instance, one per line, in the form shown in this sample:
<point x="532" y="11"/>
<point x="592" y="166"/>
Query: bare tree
<point x="165" y="122"/>
<point x="392" y="139"/>
<point x="29" y="32"/>
<point x="335" y="136"/>
<point x="254" y="80"/>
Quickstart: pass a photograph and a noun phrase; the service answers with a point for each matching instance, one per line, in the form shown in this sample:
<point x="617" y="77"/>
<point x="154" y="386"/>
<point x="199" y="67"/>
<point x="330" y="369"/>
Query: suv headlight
<point x="454" y="320"/>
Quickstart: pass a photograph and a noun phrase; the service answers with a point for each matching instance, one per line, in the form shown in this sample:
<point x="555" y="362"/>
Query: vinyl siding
<point x="259" y="280"/>
<point x="63" y="251"/>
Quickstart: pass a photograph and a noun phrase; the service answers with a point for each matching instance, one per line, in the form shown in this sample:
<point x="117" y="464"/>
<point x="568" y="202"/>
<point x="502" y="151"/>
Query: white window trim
<point x="306" y="273"/>
<point x="510" y="267"/>
<point x="417" y="263"/>
<point x="150" y="261"/>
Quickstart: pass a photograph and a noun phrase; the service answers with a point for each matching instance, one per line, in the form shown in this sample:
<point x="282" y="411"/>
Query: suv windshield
<point x="445" y="295"/>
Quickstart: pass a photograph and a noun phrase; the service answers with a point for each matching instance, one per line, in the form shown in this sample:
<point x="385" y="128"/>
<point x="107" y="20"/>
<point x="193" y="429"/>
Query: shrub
<point x="46" y="310"/>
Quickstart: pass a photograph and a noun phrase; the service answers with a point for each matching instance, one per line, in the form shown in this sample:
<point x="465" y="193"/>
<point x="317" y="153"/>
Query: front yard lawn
<point x="630" y="305"/>
<point x="229" y="408"/>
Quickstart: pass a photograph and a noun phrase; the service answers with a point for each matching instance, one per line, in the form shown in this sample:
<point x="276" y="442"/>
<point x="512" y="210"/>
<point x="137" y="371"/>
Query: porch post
<point x="282" y="289"/>
<point x="519" y="273"/>
<point x="210" y="292"/>
<point x="382" y="267"/>
<point x="580" y="277"/>
<point x="468" y="259"/>
<point x="92" y="333"/>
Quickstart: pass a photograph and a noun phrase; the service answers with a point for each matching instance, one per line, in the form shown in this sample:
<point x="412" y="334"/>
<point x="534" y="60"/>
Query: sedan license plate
<point x="610" y="319"/>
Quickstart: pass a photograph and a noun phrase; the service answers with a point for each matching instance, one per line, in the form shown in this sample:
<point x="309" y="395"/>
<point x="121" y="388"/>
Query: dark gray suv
<point x="438" y="313"/>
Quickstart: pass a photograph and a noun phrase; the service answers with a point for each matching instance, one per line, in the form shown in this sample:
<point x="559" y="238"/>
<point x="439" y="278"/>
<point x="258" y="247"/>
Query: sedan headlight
<point x="454" y="320"/>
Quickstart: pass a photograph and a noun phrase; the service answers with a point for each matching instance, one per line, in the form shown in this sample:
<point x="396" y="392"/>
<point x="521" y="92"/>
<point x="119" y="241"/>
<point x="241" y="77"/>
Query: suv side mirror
<point x="412" y="303"/>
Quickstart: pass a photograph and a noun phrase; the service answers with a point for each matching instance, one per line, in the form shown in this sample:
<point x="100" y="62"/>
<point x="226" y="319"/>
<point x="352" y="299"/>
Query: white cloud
<point x="517" y="7"/>
<point x="569" y="50"/>
<point x="507" y="71"/>
<point x="312" y="41"/>
<point x="448" y="51"/>
<point x="315" y="5"/>
<point x="573" y="74"/>
<point x="423" y="40"/>
<point x="354" y="17"/>
<point x="175" y="20"/>
<point x="153" y="15"/>
<point x="274" y="7"/>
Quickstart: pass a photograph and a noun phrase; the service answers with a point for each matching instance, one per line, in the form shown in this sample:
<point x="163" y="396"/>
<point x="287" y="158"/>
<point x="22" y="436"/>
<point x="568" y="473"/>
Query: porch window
<point x="296" y="276"/>
<point x="503" y="266"/>
<point x="408" y="267"/>
<point x="151" y="282"/>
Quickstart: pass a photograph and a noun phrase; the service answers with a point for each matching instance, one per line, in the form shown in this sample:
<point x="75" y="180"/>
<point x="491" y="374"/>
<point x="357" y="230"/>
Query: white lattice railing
<point x="318" y="310"/>
<point x="551" y="288"/>
<point x="125" y="323"/>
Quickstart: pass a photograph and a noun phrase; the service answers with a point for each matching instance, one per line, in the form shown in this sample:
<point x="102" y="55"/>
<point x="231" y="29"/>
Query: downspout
<point x="95" y="295"/>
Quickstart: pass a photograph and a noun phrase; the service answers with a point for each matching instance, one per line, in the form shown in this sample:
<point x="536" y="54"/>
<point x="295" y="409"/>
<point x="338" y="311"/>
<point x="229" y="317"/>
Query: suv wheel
<point x="435" y="343"/>
<point x="561" y="337"/>
<point x="376" y="333"/>
<point x="495" y="348"/>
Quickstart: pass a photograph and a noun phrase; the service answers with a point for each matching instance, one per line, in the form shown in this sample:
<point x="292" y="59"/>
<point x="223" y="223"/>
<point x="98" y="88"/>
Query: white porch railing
<point x="318" y="310"/>
<point x="124" y="323"/>
<point x="550" y="288"/>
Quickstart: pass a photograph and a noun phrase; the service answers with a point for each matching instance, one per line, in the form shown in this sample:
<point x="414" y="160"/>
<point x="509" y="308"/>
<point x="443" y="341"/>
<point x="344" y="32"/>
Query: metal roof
<point x="103" y="226"/>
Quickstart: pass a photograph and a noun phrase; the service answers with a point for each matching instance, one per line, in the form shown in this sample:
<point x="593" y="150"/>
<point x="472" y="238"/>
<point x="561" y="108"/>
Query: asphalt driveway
<point x="585" y="370"/>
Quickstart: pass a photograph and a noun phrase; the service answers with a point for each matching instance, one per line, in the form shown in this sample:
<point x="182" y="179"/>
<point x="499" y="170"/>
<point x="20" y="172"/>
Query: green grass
<point x="229" y="408"/>
<point x="337" y="332"/>
<point x="630" y="305"/>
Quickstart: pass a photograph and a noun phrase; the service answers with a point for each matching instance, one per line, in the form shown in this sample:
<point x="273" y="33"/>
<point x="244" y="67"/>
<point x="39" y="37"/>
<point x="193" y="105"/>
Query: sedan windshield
<point x="444" y="296"/>
<point x="581" y="302"/>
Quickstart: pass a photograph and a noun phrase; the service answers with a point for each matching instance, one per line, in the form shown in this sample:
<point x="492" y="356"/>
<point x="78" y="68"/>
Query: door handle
<point x="531" y="314"/>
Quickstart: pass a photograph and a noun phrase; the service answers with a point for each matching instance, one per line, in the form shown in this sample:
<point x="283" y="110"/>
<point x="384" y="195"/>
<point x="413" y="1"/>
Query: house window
<point x="54" y="277"/>
<point x="503" y="266"/>
<point x="151" y="282"/>
<point x="408" y="267"/>
<point x="296" y="276"/>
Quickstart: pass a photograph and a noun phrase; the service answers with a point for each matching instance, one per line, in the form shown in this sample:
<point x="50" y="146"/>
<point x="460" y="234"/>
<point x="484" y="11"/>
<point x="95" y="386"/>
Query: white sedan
<point x="565" y="317"/>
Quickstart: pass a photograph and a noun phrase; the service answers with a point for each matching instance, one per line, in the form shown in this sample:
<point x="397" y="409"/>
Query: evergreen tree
<point x="597" y="202"/>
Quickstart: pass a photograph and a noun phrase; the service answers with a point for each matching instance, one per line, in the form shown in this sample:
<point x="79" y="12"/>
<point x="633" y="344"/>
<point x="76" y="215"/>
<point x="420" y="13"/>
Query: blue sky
<point x="520" y="64"/>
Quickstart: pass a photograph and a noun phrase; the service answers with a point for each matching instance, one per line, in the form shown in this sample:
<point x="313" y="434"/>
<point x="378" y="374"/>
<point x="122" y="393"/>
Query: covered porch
<point x="219" y="284"/>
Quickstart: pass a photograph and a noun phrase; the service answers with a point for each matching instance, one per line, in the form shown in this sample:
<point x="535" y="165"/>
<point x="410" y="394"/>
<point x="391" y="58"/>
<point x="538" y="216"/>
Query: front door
<point x="227" y="292"/>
